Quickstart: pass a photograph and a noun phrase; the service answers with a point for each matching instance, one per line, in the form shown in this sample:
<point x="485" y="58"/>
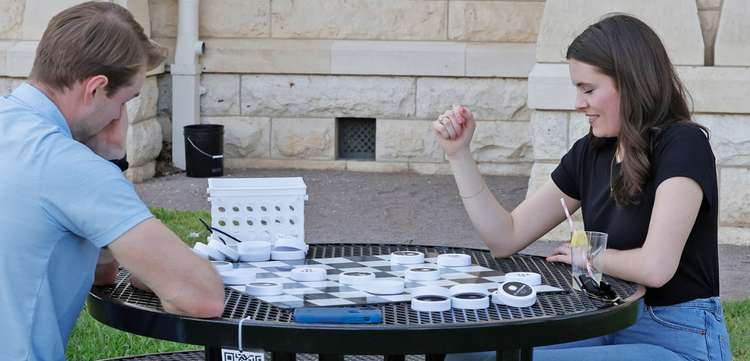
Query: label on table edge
<point x="245" y="355"/>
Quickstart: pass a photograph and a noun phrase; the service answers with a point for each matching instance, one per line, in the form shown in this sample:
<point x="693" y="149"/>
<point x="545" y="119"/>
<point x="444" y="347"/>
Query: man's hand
<point x="106" y="268"/>
<point x="135" y="282"/>
<point x="110" y="142"/>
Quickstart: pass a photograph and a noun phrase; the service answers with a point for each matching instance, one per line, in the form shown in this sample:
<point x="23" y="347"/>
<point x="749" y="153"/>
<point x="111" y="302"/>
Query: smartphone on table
<point x="338" y="315"/>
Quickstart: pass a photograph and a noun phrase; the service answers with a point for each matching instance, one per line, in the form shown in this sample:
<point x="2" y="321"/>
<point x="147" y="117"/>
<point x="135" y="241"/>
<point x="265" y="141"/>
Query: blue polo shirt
<point x="59" y="203"/>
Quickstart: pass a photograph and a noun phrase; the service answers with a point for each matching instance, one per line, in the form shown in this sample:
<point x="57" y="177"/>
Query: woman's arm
<point x="504" y="233"/>
<point x="676" y="207"/>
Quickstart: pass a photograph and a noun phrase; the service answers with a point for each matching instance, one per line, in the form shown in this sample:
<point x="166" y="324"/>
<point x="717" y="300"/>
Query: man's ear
<point x="92" y="86"/>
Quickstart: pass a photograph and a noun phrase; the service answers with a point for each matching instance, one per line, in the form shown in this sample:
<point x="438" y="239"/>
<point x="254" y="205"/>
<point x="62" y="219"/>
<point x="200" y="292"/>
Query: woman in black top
<point x="645" y="174"/>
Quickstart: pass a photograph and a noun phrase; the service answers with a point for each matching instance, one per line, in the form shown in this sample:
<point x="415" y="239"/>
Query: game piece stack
<point x="216" y="250"/>
<point x="252" y="251"/>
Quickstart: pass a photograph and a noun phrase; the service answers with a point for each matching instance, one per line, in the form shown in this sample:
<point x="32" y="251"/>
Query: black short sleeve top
<point x="682" y="150"/>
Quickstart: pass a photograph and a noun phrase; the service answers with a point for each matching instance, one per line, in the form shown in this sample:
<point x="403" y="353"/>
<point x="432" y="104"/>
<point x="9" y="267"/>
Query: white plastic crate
<point x="258" y="209"/>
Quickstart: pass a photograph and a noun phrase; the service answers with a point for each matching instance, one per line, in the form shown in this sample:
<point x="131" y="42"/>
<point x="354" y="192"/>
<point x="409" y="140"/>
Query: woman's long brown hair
<point x="651" y="95"/>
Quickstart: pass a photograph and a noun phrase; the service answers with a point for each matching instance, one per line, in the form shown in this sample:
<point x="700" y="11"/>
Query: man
<point x="63" y="202"/>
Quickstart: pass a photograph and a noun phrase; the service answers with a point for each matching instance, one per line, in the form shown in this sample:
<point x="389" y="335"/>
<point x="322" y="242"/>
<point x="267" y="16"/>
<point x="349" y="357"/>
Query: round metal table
<point x="512" y="331"/>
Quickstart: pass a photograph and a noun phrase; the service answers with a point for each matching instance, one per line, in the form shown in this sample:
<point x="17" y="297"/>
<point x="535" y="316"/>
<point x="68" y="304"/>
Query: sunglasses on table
<point x="602" y="292"/>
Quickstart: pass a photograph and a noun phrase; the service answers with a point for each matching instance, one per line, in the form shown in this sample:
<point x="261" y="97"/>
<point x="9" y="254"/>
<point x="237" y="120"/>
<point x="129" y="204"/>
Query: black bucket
<point x="204" y="150"/>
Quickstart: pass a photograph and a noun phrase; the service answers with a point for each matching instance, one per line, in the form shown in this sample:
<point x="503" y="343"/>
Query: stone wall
<point x="280" y="74"/>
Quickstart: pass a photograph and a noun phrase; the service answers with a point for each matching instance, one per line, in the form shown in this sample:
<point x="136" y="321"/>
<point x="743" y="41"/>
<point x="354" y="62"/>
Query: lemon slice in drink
<point x="579" y="239"/>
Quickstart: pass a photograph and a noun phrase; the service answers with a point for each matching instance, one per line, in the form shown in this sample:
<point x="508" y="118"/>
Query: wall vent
<point x="356" y="138"/>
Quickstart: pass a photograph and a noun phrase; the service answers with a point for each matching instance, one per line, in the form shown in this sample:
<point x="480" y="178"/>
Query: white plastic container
<point x="258" y="209"/>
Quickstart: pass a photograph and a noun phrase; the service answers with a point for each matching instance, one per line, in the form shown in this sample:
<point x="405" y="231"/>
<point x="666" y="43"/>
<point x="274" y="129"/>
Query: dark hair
<point x="94" y="38"/>
<point x="651" y="95"/>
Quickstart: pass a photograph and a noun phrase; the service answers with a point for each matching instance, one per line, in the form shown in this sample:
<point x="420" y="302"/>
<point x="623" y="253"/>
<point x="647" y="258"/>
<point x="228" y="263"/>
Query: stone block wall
<point x="280" y="74"/>
<point x="285" y="120"/>
<point x="144" y="137"/>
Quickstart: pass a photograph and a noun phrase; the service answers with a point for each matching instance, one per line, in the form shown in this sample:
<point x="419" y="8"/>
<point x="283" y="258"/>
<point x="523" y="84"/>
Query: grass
<point x="91" y="340"/>
<point x="737" y="315"/>
<point x="185" y="224"/>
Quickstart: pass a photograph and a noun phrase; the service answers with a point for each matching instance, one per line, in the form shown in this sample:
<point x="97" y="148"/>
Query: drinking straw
<point x="567" y="214"/>
<point x="573" y="228"/>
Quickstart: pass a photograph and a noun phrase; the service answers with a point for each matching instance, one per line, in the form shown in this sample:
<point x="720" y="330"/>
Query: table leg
<point x="213" y="354"/>
<point x="524" y="354"/>
<point x="283" y="356"/>
<point x="434" y="357"/>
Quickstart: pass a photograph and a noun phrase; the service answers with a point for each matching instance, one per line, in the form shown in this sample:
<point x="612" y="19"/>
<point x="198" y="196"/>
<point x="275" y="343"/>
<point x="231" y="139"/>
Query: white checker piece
<point x="268" y="264"/>
<point x="407" y="257"/>
<point x="454" y="259"/>
<point x="308" y="274"/>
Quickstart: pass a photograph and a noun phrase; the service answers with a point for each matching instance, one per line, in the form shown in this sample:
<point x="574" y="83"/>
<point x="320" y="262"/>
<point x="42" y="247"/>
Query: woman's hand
<point x="454" y="129"/>
<point x="561" y="254"/>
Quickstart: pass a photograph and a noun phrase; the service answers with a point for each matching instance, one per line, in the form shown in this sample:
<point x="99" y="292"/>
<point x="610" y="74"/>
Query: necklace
<point x="611" y="171"/>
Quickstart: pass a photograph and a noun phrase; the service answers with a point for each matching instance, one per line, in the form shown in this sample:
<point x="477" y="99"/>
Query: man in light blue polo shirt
<point x="64" y="205"/>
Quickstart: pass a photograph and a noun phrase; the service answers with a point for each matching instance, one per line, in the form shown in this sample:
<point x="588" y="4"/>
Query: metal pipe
<point x="186" y="71"/>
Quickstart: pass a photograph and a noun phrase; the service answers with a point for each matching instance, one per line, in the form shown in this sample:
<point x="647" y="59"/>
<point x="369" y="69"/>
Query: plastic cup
<point x="589" y="258"/>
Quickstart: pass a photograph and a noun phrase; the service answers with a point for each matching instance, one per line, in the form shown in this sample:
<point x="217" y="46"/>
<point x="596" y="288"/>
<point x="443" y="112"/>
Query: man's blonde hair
<point x="94" y="38"/>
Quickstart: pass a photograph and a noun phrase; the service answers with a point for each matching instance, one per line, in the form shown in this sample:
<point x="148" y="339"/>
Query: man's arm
<point x="185" y="283"/>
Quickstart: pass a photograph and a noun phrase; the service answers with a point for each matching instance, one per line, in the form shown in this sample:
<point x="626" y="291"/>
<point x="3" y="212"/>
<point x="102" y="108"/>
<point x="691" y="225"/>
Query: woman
<point x="645" y="174"/>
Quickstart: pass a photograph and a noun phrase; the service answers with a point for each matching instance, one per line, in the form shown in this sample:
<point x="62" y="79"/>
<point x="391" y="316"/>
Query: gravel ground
<point x="405" y="208"/>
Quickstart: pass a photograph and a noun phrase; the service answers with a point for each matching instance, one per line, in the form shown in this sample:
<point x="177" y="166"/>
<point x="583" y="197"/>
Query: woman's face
<point x="597" y="97"/>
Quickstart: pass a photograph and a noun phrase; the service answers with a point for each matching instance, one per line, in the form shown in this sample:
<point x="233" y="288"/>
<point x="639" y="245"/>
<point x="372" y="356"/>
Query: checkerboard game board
<point x="331" y="293"/>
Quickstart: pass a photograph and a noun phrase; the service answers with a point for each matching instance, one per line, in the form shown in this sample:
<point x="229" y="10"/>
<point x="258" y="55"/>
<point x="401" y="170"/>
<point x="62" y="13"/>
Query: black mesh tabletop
<point x="555" y="317"/>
